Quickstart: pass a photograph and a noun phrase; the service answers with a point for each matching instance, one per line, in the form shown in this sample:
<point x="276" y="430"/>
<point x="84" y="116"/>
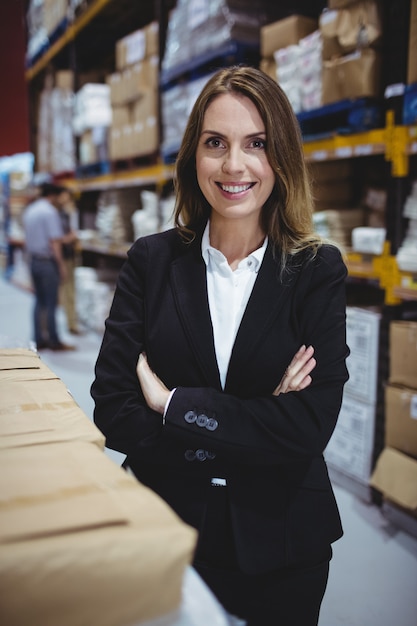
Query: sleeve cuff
<point x="167" y="404"/>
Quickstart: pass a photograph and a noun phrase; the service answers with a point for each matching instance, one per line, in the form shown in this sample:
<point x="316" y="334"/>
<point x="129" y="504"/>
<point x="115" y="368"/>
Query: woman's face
<point x="233" y="171"/>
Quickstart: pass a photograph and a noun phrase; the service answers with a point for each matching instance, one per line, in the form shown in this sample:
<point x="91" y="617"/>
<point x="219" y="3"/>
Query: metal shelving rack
<point x="396" y="143"/>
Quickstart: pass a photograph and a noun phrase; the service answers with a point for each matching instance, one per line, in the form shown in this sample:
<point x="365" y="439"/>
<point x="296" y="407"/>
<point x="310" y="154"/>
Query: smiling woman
<point x="234" y="173"/>
<point x="223" y="363"/>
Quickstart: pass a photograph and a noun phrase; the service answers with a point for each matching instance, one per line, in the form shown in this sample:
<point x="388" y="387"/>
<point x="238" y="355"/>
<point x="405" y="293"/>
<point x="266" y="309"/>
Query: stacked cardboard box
<point x="291" y="55"/>
<point x="351" y="449"/>
<point x="134" y="95"/>
<point x="395" y="474"/>
<point x="351" y="36"/>
<point x="55" y="13"/>
<point x="82" y="542"/>
<point x="92" y="118"/>
<point x="56" y="143"/>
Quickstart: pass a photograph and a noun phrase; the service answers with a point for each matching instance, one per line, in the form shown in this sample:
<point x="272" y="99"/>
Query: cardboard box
<point x="403" y="353"/>
<point x="141" y="77"/>
<point x="36" y="407"/>
<point x="121" y="115"/>
<point x="337" y="224"/>
<point x="269" y="66"/>
<point x="357" y="75"/>
<point x="129" y="85"/>
<point x="116" y="84"/>
<point x="22" y="361"/>
<point x="64" y="79"/>
<point x="83" y="542"/>
<point x="347" y="29"/>
<point x="152" y="39"/>
<point x="328" y="23"/>
<point x="54" y="13"/>
<point x="395" y="475"/>
<point x="350" y="449"/>
<point x="401" y="419"/>
<point x="412" y="45"/>
<point x="285" y="32"/>
<point x="362" y="333"/>
<point x="137" y="46"/>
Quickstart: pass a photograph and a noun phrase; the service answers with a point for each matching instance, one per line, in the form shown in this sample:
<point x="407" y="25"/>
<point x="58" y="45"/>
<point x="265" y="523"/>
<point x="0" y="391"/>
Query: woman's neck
<point x="236" y="240"/>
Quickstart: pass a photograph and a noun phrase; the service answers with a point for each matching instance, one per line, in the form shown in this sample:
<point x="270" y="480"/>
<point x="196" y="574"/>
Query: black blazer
<point x="270" y="449"/>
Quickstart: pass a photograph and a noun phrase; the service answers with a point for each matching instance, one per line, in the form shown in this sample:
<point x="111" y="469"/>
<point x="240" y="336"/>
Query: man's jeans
<point x="45" y="276"/>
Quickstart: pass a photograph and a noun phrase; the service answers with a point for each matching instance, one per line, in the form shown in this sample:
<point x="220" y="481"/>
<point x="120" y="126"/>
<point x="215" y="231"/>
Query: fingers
<point x="142" y="368"/>
<point x="153" y="389"/>
<point x="297" y="375"/>
<point x="145" y="374"/>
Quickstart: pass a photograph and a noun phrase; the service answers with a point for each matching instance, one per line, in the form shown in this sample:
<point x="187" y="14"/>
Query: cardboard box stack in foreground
<point x="82" y="542"/>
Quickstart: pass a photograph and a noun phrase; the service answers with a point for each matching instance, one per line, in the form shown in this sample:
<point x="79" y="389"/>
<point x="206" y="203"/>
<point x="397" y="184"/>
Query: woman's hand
<point x="155" y="392"/>
<point x="297" y="375"/>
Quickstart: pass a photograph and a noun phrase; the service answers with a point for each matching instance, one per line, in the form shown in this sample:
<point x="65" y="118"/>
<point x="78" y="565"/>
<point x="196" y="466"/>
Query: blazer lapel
<point x="188" y="274"/>
<point x="268" y="296"/>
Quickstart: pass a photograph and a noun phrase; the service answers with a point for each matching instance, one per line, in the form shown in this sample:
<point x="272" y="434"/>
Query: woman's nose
<point x="233" y="160"/>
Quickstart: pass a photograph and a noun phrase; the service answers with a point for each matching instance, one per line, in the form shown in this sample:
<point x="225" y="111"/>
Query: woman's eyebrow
<point x="218" y="134"/>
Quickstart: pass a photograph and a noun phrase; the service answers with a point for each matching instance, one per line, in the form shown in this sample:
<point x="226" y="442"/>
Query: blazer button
<point x="210" y="455"/>
<point x="189" y="455"/>
<point x="202" y="420"/>
<point x="200" y="455"/>
<point x="190" y="417"/>
<point x="212" y="424"/>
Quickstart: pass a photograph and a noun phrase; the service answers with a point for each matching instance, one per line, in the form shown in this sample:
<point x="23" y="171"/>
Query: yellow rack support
<point x="397" y="146"/>
<point x="382" y="268"/>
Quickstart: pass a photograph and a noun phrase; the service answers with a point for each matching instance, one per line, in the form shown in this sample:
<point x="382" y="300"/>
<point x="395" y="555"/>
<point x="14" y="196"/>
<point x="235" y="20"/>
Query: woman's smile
<point x="234" y="190"/>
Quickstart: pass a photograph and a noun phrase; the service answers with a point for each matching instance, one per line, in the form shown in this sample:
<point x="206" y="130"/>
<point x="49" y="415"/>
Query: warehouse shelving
<point x="383" y="270"/>
<point x="395" y="143"/>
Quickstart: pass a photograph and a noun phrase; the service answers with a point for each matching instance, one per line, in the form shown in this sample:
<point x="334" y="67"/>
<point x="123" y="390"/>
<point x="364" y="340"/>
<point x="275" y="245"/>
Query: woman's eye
<point x="214" y="142"/>
<point x="258" y="144"/>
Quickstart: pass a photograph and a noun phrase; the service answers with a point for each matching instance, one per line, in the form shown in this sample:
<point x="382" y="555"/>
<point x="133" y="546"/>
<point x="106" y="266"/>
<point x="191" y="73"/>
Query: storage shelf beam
<point x="140" y="177"/>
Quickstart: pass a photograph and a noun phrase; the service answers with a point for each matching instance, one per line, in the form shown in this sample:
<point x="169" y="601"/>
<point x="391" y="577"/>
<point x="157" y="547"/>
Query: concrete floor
<point x="373" y="575"/>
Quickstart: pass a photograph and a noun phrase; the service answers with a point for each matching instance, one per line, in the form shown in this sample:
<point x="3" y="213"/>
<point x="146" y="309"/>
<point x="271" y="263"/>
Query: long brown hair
<point x="287" y="214"/>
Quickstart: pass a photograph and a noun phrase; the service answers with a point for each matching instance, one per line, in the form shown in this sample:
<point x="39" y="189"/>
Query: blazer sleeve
<point x="120" y="409"/>
<point x="293" y="426"/>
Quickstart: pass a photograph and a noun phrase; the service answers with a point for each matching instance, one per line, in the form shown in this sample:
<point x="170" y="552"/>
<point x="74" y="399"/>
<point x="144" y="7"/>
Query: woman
<point x="215" y="309"/>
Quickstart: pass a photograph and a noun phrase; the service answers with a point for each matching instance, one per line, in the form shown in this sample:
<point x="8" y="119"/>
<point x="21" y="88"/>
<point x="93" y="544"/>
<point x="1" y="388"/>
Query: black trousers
<point x="285" y="597"/>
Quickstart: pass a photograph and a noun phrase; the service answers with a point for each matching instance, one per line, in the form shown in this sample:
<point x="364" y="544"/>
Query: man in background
<point x="69" y="253"/>
<point x="44" y="235"/>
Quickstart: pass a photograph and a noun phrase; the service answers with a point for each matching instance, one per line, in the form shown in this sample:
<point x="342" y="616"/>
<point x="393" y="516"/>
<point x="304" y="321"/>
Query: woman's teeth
<point x="235" y="188"/>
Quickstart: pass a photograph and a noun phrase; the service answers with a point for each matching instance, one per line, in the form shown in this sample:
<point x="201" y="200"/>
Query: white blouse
<point x="228" y="294"/>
